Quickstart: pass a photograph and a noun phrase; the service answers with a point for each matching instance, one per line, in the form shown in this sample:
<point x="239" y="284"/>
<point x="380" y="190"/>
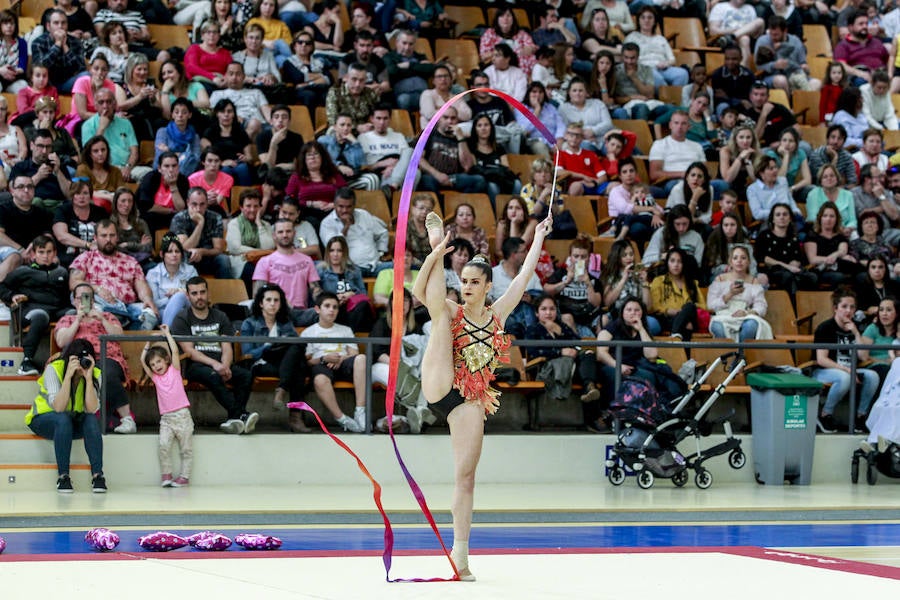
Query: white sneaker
<point x="234" y="426"/>
<point x="359" y="415"/>
<point x="249" y="422"/>
<point x="126" y="426"/>
<point x="350" y="424"/>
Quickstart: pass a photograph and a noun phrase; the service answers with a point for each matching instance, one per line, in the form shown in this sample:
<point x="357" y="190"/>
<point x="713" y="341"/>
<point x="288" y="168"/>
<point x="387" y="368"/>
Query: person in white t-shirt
<point x="387" y="152"/>
<point x="251" y="106"/>
<point x="330" y="361"/>
<point x="672" y="155"/>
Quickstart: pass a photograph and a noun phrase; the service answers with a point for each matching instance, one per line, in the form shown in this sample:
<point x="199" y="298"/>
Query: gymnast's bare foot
<point x="461" y="560"/>
<point x="435" y="228"/>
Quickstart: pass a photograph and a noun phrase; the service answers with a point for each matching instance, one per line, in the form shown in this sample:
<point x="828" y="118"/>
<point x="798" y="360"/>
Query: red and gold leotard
<point x="477" y="351"/>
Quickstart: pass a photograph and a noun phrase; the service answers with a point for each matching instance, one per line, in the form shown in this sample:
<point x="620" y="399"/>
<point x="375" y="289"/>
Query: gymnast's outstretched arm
<point x="513" y="295"/>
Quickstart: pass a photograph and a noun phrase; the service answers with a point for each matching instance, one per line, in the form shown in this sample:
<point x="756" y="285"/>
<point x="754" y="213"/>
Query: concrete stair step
<point x="40" y="476"/>
<point x="16" y="396"/>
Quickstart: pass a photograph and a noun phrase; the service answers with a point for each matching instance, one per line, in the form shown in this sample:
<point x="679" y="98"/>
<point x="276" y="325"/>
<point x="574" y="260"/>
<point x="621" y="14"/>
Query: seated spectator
<point x="701" y="128"/>
<point x="656" y="52"/>
<point x="163" y="193"/>
<point x="347" y="154"/>
<point x="384" y="282"/>
<point x="61" y="413"/>
<point x="770" y="189"/>
<point x="134" y="234"/>
<point x="139" y="98"/>
<point x="362" y="15"/>
<point x="463" y="252"/>
<point x="600" y="31"/>
<point x="167" y="279"/>
<point x="327" y="29"/>
<point x="877" y="106"/>
<point x="417" y="242"/>
<point x="634" y="89"/>
<point x="251" y="106"/>
<point x="330" y="361"/>
<point x="513" y="222"/>
<point x="504" y="73"/>
<point x="771" y="118"/>
<point x="636" y="214"/>
<point x="676" y="233"/>
<point x="561" y="363"/>
<point x="871" y="194"/>
<point x="307" y="72"/>
<point x="581" y="168"/>
<point x="211" y="363"/>
<point x="732" y="81"/>
<point x="201" y="233"/>
<point x="778" y="254"/>
<point x="833" y="152"/>
<point x="554" y="28"/>
<point x="695" y="192"/>
<point x="580" y="297"/>
<point x="591" y="113"/>
<point x="509" y="132"/>
<point x="386" y="152"/>
<point x="366" y="235"/>
<point x="837" y="80"/>
<point x="677" y="296"/>
<point x="883" y="330"/>
<point x="114" y="48"/>
<point x="407" y="70"/>
<point x="434" y="98"/>
<point x="211" y="178"/>
<point x="245" y="233"/>
<point x="363" y="53"/>
<point x="739" y="20"/>
<point x="75" y="222"/>
<point x="117" y="279"/>
<point x="40" y="291"/>
<point x="270" y="317"/>
<point x="877" y="286"/>
<point x="104" y="178"/>
<point x="794" y="166"/>
<point x="314" y="182"/>
<point x="231" y="142"/>
<point x="462" y="225"/>
<point x="175" y="84"/>
<point x="834" y="365"/>
<point x="13" y="146"/>
<point x="206" y="61"/>
<point x="90" y="322"/>
<point x="20" y="222"/>
<point x="260" y="70"/>
<point x="505" y="29"/>
<point x="84" y="93"/>
<point x="870" y="243"/>
<point x="782" y="57"/>
<point x="828" y="250"/>
<point x="220" y="14"/>
<point x="536" y="101"/>
<point x="63" y="146"/>
<point x="538" y="192"/>
<point x="699" y="84"/>
<point x="135" y="24"/>
<point x="491" y="161"/>
<point x="277" y="146"/>
<point x="872" y="150"/>
<point x="180" y="137"/>
<point x="717" y="252"/>
<point x="849" y="115"/>
<point x="860" y="53"/>
<point x="739" y="302"/>
<point x="830" y="190"/>
<point x="15" y="54"/>
<point x="123" y="145"/>
<point x="306" y="239"/>
<point x="351" y="96"/>
<point x="672" y="155"/>
<point x="61" y="53"/>
<point x="446" y="159"/>
<point x="39" y="87"/>
<point x="344" y="279"/>
<point x="293" y="271"/>
<point x="49" y="178"/>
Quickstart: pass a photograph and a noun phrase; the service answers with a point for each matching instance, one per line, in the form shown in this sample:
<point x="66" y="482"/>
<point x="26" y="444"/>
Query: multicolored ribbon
<point x="398" y="328"/>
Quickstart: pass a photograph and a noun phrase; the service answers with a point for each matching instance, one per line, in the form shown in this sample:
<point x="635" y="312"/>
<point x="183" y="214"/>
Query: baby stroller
<point x="649" y="431"/>
<point x="881" y="450"/>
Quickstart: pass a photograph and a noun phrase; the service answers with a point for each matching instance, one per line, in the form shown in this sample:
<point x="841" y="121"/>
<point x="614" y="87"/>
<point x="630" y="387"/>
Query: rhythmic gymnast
<point x="467" y="343"/>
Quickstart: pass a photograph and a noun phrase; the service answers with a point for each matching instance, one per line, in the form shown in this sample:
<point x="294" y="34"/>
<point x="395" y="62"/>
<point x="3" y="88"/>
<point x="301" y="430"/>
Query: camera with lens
<point x="85" y="362"/>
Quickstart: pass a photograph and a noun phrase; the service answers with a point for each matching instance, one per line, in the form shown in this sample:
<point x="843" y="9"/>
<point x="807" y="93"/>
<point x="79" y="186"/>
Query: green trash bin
<point x="785" y="407"/>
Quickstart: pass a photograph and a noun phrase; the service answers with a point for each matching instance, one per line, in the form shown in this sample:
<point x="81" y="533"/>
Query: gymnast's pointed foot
<point x="460" y="556"/>
<point x="435" y="228"/>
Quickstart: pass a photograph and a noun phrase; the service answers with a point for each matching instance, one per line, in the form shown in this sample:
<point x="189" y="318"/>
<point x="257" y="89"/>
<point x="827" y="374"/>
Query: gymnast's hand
<point x="442" y="249"/>
<point x="544" y="228"/>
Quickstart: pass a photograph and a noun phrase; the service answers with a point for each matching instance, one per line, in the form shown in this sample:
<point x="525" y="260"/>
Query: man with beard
<point x="202" y="234"/>
<point x="860" y="52"/>
<point x="363" y="54"/>
<point x="51" y="181"/>
<point x="117" y="279"/>
<point x="447" y="158"/>
<point x="291" y="270"/>
<point x="210" y="363"/>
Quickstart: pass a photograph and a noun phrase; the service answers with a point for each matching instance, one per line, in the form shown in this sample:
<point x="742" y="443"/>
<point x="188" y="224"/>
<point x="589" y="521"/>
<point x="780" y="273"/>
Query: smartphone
<point x="739" y="282"/>
<point x="151" y="82"/>
<point x="579" y="268"/>
<point x="86" y="303"/>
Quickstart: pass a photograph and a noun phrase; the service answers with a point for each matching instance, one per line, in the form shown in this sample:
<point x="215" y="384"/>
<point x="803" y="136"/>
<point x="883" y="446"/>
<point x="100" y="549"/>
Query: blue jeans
<point x="62" y="428"/>
<point x="461" y="182"/>
<point x="176" y="304"/>
<point x="66" y="86"/>
<point x="133" y="312"/>
<point x="748" y="330"/>
<point x="218" y="265"/>
<point x="669" y="76"/>
<point x="840" y="386"/>
<point x="241" y="173"/>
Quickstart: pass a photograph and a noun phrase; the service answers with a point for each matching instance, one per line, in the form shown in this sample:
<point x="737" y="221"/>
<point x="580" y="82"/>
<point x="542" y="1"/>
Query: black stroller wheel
<point x="737" y="459"/>
<point x="616" y="475"/>
<point x="680" y="478"/>
<point x="645" y="480"/>
<point x="871" y="473"/>
<point x="854" y="469"/>
<point x="703" y="479"/>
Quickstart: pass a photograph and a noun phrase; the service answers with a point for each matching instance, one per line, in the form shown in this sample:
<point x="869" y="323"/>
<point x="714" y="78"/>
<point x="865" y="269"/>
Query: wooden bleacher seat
<point x="642" y="130"/>
<point x="688" y="34"/>
<point x="147" y="152"/>
<point x="891" y="139"/>
<point x="815" y="135"/>
<point x="604" y="221"/>
<point x="817" y="41"/>
<point x="484" y="212"/>
<point x="26" y="25"/>
<point x="817" y="305"/>
<point x="520" y="164"/>
<point x="321" y="118"/>
<point x="33" y="8"/>
<point x="532" y="390"/>
<point x="670" y="94"/>
<point x="713" y="60"/>
<point x="781" y="316"/>
<point x="778" y="96"/>
<point x="806" y="106"/>
<point x="375" y="203"/>
<point x="169" y="36"/>
<point x="584" y="212"/>
<point x="462" y="53"/>
<point x="706" y="356"/>
<point x="301" y="122"/>
<point x="557" y="249"/>
<point x="402" y="123"/>
<point x="818" y="67"/>
<point x="226" y="291"/>
<point x="10" y="102"/>
<point x="469" y="20"/>
<point x="688" y="57"/>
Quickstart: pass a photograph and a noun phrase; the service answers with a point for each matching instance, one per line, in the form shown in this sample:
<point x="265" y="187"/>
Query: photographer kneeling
<point x="65" y="409"/>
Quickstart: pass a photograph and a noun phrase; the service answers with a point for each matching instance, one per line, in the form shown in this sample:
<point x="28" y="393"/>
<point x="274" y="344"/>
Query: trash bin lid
<point x="783" y="382"/>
